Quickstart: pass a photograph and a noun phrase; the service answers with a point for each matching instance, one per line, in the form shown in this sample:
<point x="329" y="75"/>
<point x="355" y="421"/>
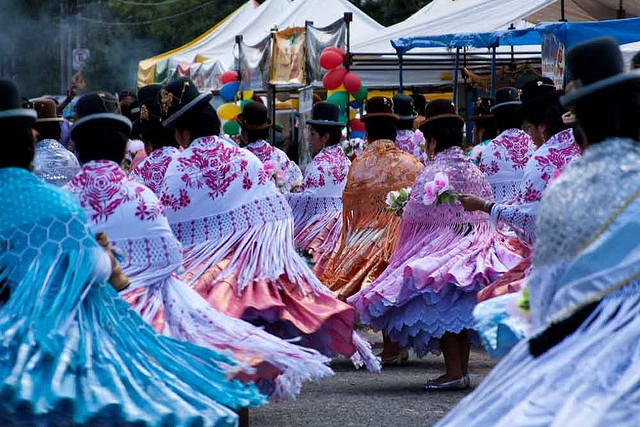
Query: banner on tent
<point x="305" y="112"/>
<point x="553" y="64"/>
<point x="318" y="39"/>
<point x="255" y="65"/>
<point x="207" y="75"/>
<point x="288" y="59"/>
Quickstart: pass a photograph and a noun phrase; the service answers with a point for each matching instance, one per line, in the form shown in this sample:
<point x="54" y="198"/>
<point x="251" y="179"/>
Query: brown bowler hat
<point x="441" y="112"/>
<point x="254" y="116"/>
<point x="379" y="106"/>
<point x="46" y="110"/>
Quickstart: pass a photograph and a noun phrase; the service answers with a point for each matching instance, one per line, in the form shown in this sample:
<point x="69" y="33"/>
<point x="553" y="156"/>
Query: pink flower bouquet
<point x="439" y="191"/>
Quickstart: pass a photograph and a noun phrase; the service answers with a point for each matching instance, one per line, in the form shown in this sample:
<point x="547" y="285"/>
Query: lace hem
<point x="219" y="226"/>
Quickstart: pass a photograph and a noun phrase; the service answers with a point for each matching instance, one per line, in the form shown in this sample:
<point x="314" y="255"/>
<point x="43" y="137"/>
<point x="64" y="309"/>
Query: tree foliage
<point x="389" y="12"/>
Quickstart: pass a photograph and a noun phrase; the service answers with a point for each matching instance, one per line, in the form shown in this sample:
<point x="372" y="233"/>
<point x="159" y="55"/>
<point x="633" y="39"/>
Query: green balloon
<point x="231" y="128"/>
<point x="243" y="103"/>
<point x="343" y="118"/>
<point x="361" y="95"/>
<point x="339" y="98"/>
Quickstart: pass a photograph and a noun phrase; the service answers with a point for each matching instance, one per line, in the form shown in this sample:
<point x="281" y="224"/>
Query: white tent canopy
<point x="452" y="16"/>
<point x="443" y="17"/>
<point x="253" y="26"/>
<point x="587" y="10"/>
<point x="255" y="23"/>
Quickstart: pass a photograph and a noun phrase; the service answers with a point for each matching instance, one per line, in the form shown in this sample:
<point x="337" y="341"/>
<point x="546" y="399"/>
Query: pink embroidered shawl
<point x="131" y="215"/>
<point x="267" y="152"/>
<point x="237" y="233"/>
<point x="317" y="208"/>
<point x="405" y="141"/>
<point x="503" y="162"/>
<point x="151" y="170"/>
<point x="550" y="158"/>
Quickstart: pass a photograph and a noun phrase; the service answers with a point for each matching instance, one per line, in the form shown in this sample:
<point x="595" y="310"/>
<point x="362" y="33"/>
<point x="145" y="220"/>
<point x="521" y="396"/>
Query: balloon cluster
<point x="357" y="128"/>
<point x="229" y="111"/>
<point x="341" y="84"/>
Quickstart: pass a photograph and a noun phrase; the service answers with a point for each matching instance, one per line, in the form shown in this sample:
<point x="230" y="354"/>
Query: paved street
<point x="357" y="398"/>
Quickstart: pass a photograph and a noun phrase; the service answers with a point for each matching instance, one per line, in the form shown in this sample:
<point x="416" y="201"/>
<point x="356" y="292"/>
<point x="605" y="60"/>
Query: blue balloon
<point x="356" y="134"/>
<point x="229" y="91"/>
<point x="355" y="104"/>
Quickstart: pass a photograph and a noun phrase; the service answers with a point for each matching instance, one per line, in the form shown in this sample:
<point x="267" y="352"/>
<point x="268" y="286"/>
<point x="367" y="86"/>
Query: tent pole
<point x="456" y="67"/>
<point x="493" y="71"/>
<point x="307" y="24"/>
<point x="348" y="17"/>
<point x="239" y="62"/>
<point x="562" y="17"/>
<point x="400" y="74"/>
<point x="271" y="93"/>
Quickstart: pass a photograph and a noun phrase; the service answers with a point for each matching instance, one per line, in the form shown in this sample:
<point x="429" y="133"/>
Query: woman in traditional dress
<point x="159" y="142"/>
<point x="504" y="158"/>
<point x="131" y="215"/>
<point x="52" y="162"/>
<point x="556" y="148"/>
<point x="580" y="365"/>
<point x="407" y="139"/>
<point x="444" y="256"/>
<point x="370" y="230"/>
<point x="255" y="124"/>
<point x="237" y="233"/>
<point x="73" y="352"/>
<point x="317" y="207"/>
<point x="484" y="128"/>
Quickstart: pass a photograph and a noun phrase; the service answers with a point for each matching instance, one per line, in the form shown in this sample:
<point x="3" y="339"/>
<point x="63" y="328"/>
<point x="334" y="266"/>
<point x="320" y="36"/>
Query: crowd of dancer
<point x="156" y="272"/>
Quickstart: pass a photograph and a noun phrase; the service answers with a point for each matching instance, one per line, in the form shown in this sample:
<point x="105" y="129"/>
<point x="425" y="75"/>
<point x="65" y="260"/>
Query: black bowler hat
<point x="596" y="66"/>
<point x="99" y="108"/>
<point x="254" y="116"/>
<point x="379" y="106"/>
<point x="537" y="95"/>
<point x="506" y="96"/>
<point x="179" y="97"/>
<point x="482" y="109"/>
<point x="11" y="108"/>
<point x="148" y="111"/>
<point x="326" y="114"/>
<point x="403" y="107"/>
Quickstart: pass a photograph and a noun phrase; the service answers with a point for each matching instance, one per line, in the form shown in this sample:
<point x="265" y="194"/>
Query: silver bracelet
<point x="486" y="206"/>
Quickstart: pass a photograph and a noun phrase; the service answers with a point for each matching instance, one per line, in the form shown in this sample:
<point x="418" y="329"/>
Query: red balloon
<point x="339" y="51"/>
<point x="352" y="82"/>
<point x="331" y="60"/>
<point x="228" y="77"/>
<point x="356" y="124"/>
<point x="334" y="78"/>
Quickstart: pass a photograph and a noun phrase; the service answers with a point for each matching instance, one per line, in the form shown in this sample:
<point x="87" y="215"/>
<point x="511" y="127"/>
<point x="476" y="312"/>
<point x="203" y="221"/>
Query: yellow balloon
<point x="352" y="113"/>
<point x="247" y="94"/>
<point x="228" y="111"/>
<point x="340" y="89"/>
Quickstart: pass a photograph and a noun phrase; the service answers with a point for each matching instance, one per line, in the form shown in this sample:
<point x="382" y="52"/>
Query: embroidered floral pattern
<point x="210" y="166"/>
<point x="102" y="188"/>
<point x="331" y="165"/>
<point x="151" y="170"/>
<point x="503" y="162"/>
<point x="553" y="156"/>
<point x="406" y="141"/>
<point x="266" y="152"/>
<point x="176" y="202"/>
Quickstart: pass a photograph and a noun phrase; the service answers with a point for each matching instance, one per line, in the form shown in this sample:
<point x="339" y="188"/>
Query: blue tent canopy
<point x="570" y="33"/>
